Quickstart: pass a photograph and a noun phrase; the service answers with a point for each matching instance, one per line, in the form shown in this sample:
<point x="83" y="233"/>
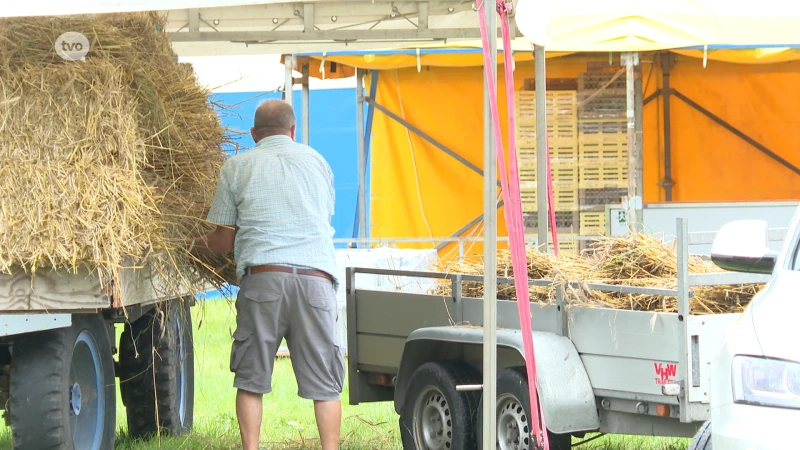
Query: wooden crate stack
<point x="602" y="145"/>
<point x="562" y="130"/>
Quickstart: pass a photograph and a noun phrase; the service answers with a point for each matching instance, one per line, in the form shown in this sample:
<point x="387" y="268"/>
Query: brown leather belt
<point x="271" y="268"/>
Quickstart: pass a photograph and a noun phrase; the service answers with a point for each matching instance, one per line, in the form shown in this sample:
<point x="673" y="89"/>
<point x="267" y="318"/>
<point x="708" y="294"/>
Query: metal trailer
<point x="57" y="365"/>
<point x="599" y="369"/>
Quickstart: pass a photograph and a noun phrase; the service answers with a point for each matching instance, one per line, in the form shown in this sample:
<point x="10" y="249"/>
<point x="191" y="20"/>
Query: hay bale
<point x="108" y="159"/>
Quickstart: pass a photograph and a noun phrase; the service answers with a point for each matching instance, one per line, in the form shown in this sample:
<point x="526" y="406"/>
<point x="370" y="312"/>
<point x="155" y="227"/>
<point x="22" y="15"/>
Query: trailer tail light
<point x="663" y="410"/>
<point x="384" y="379"/>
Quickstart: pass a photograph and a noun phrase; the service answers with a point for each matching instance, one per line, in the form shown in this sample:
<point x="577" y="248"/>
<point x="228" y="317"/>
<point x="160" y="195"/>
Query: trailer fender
<point x="564" y="388"/>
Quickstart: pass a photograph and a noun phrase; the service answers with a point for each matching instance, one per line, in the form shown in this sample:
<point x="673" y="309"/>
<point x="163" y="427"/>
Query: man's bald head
<point x="273" y="117"/>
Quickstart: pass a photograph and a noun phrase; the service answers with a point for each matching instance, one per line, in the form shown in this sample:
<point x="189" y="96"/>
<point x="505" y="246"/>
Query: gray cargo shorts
<point x="271" y="306"/>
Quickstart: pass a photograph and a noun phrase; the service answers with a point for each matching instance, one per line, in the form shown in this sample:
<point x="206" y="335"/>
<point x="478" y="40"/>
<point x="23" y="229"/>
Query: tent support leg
<point x="373" y="89"/>
<point x="373" y="92"/>
<point x="489" y="245"/>
<point x="668" y="182"/>
<point x="362" y="167"/>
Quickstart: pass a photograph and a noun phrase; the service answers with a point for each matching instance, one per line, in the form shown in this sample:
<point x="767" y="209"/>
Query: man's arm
<point x="222" y="211"/>
<point x="218" y="241"/>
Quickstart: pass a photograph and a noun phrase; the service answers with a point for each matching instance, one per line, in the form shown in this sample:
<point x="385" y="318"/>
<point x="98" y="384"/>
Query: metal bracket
<point x="634" y="56"/>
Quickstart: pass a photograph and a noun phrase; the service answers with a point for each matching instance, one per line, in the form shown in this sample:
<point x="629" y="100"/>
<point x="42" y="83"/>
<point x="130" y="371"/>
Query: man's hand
<point x="218" y="241"/>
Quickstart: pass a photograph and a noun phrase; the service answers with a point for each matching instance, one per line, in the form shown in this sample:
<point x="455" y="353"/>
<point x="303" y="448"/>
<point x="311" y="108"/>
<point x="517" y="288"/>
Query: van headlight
<point x="766" y="382"/>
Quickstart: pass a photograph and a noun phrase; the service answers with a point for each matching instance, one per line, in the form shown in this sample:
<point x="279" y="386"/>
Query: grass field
<point x="288" y="421"/>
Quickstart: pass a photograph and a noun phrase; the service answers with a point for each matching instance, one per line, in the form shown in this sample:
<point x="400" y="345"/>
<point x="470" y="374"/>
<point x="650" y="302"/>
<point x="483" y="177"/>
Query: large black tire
<point x="702" y="440"/>
<point x="450" y="414"/>
<point x="62" y="388"/>
<point x="513" y="415"/>
<point x="157" y="371"/>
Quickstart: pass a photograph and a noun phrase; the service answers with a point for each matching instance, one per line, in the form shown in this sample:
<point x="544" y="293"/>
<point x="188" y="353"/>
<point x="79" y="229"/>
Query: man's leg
<point x="329" y="422"/>
<point x="259" y="330"/>
<point x="316" y="356"/>
<point x="248" y="411"/>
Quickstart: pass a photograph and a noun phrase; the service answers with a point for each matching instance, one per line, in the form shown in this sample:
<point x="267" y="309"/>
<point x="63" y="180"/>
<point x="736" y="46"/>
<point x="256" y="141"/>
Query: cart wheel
<point x="62" y="387"/>
<point x="435" y="416"/>
<point x="513" y="415"/>
<point x="702" y="440"/>
<point x="157" y="369"/>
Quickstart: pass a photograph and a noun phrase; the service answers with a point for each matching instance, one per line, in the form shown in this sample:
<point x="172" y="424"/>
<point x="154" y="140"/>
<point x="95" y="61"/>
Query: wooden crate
<point x="559" y="104"/>
<point x="610" y="129"/>
<point x="596" y="152"/>
<point x="566" y="222"/>
<point x="599" y="176"/>
<point x="552" y="84"/>
<point x="597" y="199"/>
<point x="558" y="129"/>
<point x="560" y="150"/>
<point x="565" y="196"/>
<point x="611" y="101"/>
<point x="567" y="244"/>
<point x="593" y="223"/>
<point x="562" y="172"/>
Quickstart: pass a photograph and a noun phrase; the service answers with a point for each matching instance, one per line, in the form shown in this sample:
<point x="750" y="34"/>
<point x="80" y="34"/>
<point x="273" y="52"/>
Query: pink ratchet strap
<point x="513" y="211"/>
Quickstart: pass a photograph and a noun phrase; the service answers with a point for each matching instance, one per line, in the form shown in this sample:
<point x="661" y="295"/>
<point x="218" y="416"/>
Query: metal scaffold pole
<point x="306" y="96"/>
<point x="631" y="60"/>
<point x="288" y="80"/>
<point x="541" y="144"/>
<point x="490" y="245"/>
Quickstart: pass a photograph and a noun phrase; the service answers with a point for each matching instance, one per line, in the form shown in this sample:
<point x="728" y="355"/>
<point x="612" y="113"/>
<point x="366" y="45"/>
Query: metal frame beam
<point x="736" y="131"/>
<point x="271" y="37"/>
<point x="466" y="227"/>
<point x="427" y="137"/>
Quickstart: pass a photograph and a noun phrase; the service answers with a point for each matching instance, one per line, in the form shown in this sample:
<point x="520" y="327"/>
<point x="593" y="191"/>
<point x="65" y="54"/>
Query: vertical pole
<point x="639" y="119"/>
<point x="489" y="246"/>
<point x="684" y="311"/>
<point x="306" y="107"/>
<point x="541" y="144"/>
<point x="288" y="84"/>
<point x="666" y="65"/>
<point x="630" y="59"/>
<point x="362" y="162"/>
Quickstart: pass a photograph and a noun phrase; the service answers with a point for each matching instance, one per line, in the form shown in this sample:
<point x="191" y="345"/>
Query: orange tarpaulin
<point x="419" y="191"/>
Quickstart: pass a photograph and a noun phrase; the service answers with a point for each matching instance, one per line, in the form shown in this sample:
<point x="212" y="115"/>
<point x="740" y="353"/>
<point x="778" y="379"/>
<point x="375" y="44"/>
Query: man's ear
<point x="254" y="135"/>
<point x="294" y="128"/>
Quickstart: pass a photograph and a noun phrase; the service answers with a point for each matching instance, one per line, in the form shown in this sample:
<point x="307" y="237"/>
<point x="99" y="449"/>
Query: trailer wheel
<point x="435" y="416"/>
<point x="702" y="440"/>
<point x="157" y="371"/>
<point x="513" y="415"/>
<point x="62" y="392"/>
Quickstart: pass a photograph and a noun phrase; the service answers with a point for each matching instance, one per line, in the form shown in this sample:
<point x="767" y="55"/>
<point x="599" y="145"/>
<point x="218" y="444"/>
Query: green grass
<point x="288" y="421"/>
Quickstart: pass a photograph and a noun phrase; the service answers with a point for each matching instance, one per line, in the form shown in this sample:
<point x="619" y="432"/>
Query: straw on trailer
<point x="638" y="260"/>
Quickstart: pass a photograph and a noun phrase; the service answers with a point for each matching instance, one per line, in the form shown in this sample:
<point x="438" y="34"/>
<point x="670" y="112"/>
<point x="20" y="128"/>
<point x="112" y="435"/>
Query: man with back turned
<point x="272" y="207"/>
